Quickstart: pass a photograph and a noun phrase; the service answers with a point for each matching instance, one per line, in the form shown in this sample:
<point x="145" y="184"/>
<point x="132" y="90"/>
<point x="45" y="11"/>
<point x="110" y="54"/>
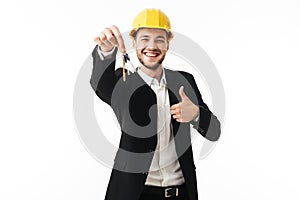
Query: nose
<point x="152" y="44"/>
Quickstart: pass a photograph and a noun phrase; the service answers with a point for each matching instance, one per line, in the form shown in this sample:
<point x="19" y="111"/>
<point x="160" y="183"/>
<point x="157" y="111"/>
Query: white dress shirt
<point x="165" y="168"/>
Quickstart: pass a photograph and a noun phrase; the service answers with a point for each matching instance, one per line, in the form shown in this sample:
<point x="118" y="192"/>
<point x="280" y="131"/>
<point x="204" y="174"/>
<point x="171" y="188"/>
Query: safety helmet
<point x="151" y="18"/>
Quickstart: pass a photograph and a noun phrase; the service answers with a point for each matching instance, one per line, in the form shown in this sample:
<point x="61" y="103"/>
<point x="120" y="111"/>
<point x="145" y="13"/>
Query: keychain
<point x="125" y="59"/>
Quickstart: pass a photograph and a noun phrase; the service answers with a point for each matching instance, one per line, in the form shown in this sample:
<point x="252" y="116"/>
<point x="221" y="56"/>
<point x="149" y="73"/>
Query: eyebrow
<point x="158" y="37"/>
<point x="144" y="36"/>
<point x="161" y="37"/>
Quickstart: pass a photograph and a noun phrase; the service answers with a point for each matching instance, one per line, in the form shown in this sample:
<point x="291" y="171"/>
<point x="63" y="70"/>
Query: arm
<point x="104" y="77"/>
<point x="208" y="124"/>
<point x="193" y="110"/>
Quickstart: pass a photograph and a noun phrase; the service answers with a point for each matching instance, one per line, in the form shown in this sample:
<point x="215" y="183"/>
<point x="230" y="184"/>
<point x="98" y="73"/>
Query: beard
<point x="152" y="66"/>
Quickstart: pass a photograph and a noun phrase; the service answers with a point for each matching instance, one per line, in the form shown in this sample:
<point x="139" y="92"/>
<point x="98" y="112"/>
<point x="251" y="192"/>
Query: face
<point x="151" y="46"/>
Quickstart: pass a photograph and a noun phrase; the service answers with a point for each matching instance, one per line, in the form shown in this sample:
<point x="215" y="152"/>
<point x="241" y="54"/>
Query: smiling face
<point x="151" y="46"/>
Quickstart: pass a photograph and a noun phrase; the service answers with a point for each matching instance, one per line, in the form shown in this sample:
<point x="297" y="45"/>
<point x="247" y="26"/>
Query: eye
<point x="144" y="39"/>
<point x="160" y="41"/>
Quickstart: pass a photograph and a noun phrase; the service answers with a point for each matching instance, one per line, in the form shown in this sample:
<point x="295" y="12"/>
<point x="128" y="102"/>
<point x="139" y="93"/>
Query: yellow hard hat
<point x="151" y="18"/>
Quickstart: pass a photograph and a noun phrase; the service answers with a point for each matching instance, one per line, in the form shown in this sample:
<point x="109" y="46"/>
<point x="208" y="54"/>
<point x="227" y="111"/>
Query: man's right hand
<point x="110" y="38"/>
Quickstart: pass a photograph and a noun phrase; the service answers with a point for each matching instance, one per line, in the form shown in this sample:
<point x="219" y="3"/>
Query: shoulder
<point x="185" y="74"/>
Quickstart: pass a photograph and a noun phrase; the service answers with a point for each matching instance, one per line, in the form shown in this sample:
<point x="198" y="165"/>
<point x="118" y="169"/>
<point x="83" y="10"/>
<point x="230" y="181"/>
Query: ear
<point x="168" y="45"/>
<point x="133" y="43"/>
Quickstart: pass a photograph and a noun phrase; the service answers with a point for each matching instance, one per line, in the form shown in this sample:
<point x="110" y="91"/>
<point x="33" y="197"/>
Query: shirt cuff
<point x="105" y="54"/>
<point x="196" y="120"/>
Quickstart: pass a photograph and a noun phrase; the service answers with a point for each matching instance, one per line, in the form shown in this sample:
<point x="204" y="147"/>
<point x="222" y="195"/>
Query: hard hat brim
<point x="133" y="32"/>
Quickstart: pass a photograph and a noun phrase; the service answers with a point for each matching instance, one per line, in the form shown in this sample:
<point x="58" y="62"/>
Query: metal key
<point x="125" y="59"/>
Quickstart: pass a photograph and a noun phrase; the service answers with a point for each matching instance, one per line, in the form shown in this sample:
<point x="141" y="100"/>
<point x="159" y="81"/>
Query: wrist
<point x="197" y="113"/>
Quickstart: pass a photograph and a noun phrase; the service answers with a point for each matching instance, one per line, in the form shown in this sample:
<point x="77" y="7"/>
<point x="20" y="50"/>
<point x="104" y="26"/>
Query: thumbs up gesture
<point x="186" y="110"/>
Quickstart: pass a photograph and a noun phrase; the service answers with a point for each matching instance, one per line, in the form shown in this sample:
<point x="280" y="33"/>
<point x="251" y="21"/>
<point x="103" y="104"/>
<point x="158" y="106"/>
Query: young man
<point x="155" y="107"/>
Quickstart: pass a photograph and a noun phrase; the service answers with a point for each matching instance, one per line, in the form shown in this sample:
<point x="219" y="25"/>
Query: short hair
<point x="168" y="33"/>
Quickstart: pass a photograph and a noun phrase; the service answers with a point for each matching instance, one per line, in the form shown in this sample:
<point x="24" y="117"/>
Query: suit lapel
<point x="173" y="86"/>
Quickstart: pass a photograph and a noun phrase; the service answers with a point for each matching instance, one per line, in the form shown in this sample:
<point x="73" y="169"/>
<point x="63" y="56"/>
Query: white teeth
<point x="151" y="54"/>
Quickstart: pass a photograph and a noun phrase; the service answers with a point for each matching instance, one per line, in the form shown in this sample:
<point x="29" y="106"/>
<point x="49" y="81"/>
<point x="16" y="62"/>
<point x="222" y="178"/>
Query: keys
<point x="124" y="74"/>
<point x="126" y="59"/>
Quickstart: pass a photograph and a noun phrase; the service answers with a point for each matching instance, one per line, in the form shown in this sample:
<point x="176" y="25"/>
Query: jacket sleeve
<point x="104" y="76"/>
<point x="208" y="124"/>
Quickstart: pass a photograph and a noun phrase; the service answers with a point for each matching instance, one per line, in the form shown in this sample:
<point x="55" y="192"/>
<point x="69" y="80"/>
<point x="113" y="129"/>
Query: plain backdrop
<point x="254" y="44"/>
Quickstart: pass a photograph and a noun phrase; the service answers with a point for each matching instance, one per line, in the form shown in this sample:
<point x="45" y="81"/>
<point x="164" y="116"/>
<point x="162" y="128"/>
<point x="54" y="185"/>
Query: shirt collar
<point x="149" y="80"/>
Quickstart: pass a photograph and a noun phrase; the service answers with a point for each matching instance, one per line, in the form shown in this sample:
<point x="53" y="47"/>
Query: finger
<point x="112" y="40"/>
<point x="172" y="112"/>
<point x="110" y="37"/>
<point x="98" y="41"/>
<point x="106" y="45"/>
<point x="175" y="111"/>
<point x="177" y="116"/>
<point x="119" y="38"/>
<point x="179" y="120"/>
<point x="175" y="106"/>
<point x="182" y="93"/>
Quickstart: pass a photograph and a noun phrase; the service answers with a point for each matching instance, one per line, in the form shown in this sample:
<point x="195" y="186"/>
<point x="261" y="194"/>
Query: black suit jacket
<point x="134" y="104"/>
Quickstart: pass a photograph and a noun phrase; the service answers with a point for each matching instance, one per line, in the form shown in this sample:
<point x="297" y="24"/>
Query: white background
<point x="254" y="44"/>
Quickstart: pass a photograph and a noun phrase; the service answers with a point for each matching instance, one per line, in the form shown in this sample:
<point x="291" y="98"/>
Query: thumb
<point x="182" y="93"/>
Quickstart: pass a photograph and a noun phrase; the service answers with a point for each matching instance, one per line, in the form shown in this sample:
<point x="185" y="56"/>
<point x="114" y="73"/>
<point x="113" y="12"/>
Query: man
<point x="155" y="107"/>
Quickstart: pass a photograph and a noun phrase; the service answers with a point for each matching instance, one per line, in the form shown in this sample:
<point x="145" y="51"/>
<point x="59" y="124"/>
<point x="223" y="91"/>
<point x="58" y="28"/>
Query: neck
<point x="154" y="73"/>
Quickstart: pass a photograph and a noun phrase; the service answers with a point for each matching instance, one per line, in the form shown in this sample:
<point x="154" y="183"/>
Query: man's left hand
<point x="186" y="110"/>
